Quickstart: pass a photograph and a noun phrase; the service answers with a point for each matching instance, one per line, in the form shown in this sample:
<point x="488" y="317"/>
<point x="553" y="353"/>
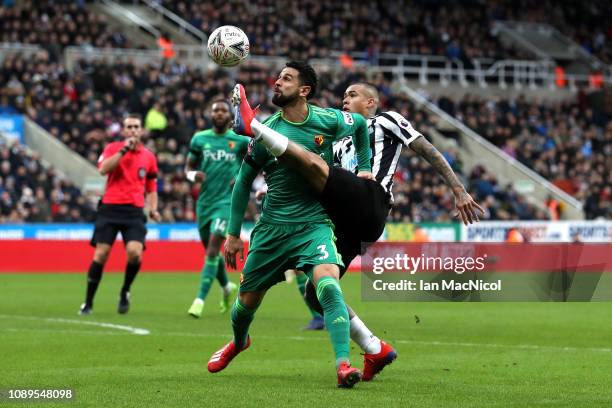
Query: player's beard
<point x="281" y="100"/>
<point x="221" y="125"/>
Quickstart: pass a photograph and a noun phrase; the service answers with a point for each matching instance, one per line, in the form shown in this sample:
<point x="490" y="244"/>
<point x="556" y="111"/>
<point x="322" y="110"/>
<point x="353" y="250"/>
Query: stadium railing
<point x="483" y="71"/>
<point x="145" y="25"/>
<point x="183" y="25"/>
<point x="189" y="55"/>
<point x="26" y="50"/>
<point x="571" y="48"/>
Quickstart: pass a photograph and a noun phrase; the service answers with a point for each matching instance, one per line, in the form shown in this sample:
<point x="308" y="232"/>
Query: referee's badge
<point x="142" y="172"/>
<point x="318" y="139"/>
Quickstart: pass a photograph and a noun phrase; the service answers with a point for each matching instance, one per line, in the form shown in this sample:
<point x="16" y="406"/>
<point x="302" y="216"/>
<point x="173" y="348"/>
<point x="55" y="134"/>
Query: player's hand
<point x="155" y="215"/>
<point x="366" y="175"/>
<point x="260" y="194"/>
<point x="200" y="177"/>
<point x="131" y="143"/>
<point x="233" y="246"/>
<point x="467" y="208"/>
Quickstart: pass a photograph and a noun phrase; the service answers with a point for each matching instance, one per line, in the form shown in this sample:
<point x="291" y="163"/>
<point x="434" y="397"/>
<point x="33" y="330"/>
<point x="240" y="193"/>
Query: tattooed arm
<point x="466" y="206"/>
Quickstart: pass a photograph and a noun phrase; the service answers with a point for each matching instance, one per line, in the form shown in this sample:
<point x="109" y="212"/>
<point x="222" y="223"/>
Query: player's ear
<point x="305" y="91"/>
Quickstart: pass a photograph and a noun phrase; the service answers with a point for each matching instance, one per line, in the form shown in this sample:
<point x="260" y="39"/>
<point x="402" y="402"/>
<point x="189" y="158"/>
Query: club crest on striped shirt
<point x="318" y="139"/>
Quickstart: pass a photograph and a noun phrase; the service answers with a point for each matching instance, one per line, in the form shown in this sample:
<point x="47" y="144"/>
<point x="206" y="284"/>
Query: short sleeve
<point x="349" y="123"/>
<point x="195" y="148"/>
<point x="109" y="151"/>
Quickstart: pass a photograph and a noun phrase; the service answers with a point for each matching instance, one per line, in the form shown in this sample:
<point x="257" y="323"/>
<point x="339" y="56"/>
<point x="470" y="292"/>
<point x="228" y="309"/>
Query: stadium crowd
<point x="566" y="142"/>
<point x="309" y="28"/>
<point x="55" y="25"/>
<point x="32" y="192"/>
<point x="83" y="110"/>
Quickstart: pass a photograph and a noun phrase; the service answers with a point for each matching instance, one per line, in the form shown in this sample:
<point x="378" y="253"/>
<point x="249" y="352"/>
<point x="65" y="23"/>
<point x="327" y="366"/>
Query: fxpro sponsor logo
<point x="219" y="155"/>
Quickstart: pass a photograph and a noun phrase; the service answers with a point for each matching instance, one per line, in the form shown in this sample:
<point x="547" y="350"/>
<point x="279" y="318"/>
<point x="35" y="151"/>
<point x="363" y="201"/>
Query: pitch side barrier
<point x="176" y="247"/>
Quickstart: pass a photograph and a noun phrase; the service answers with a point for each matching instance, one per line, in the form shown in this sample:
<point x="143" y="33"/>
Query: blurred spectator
<point x="562" y="141"/>
<point x="31" y="192"/>
<point x="55" y="25"/>
<point x="82" y="110"/>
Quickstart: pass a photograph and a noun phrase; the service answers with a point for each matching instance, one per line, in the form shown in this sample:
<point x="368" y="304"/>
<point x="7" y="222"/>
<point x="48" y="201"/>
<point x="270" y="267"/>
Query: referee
<point x="132" y="174"/>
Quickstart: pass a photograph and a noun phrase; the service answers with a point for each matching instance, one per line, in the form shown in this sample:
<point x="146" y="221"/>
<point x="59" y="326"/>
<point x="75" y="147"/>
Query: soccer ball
<point x="228" y="46"/>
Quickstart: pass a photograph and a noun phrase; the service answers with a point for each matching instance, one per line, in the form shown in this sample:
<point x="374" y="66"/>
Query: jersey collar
<point x="298" y="123"/>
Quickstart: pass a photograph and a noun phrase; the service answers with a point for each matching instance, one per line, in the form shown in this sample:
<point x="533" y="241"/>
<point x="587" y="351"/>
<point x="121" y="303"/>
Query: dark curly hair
<point x="308" y="76"/>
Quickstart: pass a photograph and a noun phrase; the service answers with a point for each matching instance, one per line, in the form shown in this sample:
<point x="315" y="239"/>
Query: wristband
<point x="191" y="175"/>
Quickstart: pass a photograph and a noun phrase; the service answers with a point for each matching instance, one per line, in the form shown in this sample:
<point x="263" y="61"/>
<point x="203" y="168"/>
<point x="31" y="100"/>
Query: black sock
<point x="131" y="269"/>
<point x="94" y="275"/>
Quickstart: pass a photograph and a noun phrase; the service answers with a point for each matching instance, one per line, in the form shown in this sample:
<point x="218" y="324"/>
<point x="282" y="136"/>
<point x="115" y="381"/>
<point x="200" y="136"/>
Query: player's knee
<point x="134" y="255"/>
<point x="101" y="255"/>
<point x="330" y="270"/>
<point x="214" y="245"/>
<point x="251" y="300"/>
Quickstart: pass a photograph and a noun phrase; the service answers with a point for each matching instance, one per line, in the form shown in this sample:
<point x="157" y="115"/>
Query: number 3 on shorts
<point x="322" y="248"/>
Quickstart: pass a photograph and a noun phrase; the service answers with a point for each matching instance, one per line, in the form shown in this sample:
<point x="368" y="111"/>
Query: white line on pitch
<point x="130" y="329"/>
<point x="419" y="342"/>
<point x="38" y="330"/>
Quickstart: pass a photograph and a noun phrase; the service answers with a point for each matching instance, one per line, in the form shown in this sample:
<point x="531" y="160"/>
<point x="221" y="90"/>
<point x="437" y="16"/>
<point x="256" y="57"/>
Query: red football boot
<point x="221" y="358"/>
<point x="374" y="363"/>
<point x="348" y="376"/>
<point x="243" y="113"/>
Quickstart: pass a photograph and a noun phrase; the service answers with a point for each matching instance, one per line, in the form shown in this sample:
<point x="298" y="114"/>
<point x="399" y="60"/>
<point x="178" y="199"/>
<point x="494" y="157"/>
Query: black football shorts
<point x="358" y="208"/>
<point x="114" y="218"/>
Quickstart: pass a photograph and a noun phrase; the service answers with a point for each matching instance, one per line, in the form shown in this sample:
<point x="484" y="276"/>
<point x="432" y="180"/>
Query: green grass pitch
<point x="456" y="355"/>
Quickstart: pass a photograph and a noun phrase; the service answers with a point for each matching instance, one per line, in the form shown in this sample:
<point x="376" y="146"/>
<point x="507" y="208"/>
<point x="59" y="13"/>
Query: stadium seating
<point x="565" y="142"/>
<point x="55" y="25"/>
<point x="306" y="29"/>
<point x="31" y="192"/>
<point x="83" y="109"/>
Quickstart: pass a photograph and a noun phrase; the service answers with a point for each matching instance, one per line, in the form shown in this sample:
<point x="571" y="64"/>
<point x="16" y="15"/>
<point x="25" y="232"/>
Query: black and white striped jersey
<point x="389" y="131"/>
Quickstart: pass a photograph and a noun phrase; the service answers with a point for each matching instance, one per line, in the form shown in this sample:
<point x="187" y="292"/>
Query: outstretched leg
<point x="314" y="169"/>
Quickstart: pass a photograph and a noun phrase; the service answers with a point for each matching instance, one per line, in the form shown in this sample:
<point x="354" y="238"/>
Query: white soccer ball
<point x="228" y="46"/>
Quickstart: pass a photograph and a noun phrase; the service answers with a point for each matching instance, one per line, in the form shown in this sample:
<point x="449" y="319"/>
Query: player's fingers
<point x="474" y="211"/>
<point x="228" y="259"/>
<point x="464" y="215"/>
<point x="475" y="204"/>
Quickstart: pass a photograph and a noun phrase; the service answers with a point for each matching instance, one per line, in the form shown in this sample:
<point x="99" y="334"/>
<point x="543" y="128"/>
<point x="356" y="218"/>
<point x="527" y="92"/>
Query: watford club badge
<point x="231" y="144"/>
<point x="318" y="139"/>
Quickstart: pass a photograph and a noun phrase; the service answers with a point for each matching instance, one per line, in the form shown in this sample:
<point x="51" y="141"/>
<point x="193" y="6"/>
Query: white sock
<point x="227" y="288"/>
<point x="274" y="141"/>
<point x="361" y="335"/>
